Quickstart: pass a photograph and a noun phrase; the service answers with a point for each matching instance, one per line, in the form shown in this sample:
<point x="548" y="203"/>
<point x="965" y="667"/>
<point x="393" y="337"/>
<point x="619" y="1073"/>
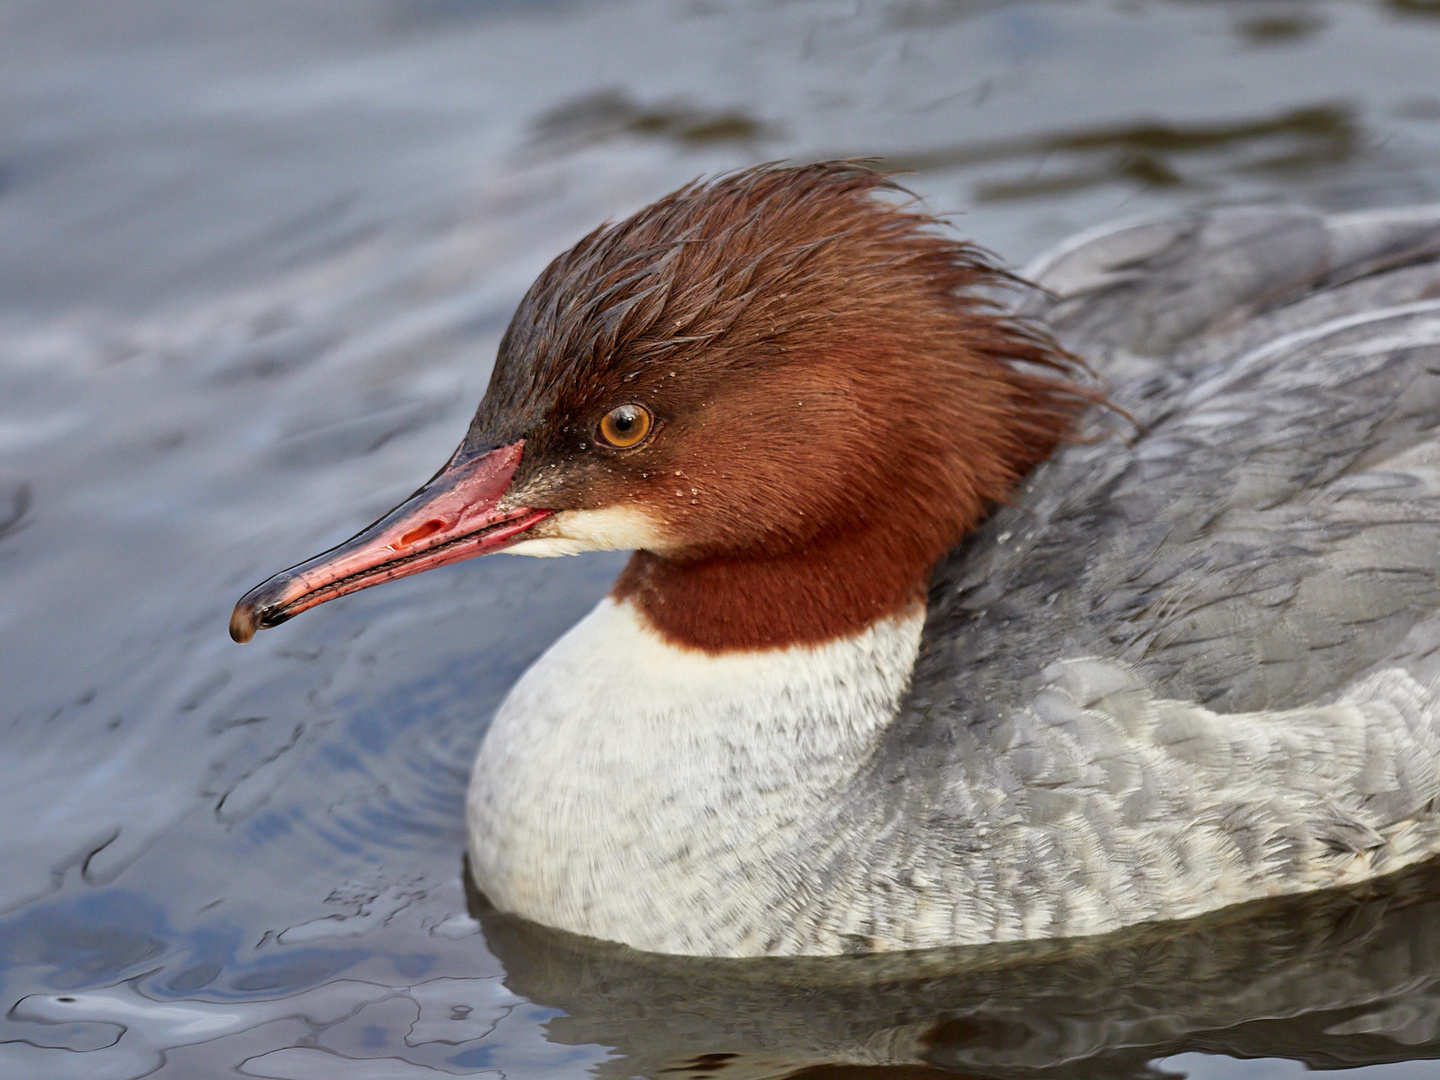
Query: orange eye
<point x="626" y="426"/>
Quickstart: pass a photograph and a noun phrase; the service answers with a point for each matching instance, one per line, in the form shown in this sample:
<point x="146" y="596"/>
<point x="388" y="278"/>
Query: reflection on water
<point x="1415" y="7"/>
<point x="1337" y="981"/>
<point x="1279" y="28"/>
<point x="1155" y="155"/>
<point x="258" y="257"/>
<point x="1344" y="980"/>
<point x="610" y="114"/>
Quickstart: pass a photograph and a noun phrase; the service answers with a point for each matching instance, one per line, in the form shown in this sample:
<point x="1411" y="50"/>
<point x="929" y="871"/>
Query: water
<point x="255" y="258"/>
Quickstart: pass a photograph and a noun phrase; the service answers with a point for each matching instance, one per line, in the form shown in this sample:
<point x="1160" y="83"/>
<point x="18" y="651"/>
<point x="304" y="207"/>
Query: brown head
<point x="782" y="388"/>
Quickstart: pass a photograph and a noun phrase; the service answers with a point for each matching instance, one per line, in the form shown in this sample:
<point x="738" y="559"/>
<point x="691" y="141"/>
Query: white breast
<point x="632" y="790"/>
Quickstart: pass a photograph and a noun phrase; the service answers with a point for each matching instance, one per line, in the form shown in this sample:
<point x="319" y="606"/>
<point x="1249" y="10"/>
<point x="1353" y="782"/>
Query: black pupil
<point x="624" y="420"/>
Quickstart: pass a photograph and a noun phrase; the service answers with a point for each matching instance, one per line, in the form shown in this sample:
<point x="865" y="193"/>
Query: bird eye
<point x="626" y="426"/>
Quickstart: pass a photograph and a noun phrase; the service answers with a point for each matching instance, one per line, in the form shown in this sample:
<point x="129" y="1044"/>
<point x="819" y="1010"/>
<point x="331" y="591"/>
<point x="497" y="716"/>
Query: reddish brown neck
<point x="831" y="589"/>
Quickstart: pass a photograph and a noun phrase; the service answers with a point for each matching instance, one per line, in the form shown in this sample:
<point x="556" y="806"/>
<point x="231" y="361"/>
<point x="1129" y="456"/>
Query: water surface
<point x="255" y="258"/>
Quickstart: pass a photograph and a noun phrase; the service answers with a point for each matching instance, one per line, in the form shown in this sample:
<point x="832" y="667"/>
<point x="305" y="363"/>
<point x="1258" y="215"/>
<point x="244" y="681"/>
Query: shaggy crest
<point x="835" y="389"/>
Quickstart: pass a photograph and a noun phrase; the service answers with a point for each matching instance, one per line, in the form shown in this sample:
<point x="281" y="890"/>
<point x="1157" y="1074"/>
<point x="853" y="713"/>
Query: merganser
<point x="923" y="643"/>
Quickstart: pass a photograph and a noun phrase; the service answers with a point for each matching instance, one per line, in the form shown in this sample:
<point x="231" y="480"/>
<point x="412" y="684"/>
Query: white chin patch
<point x="615" y="528"/>
<point x="546" y="547"/>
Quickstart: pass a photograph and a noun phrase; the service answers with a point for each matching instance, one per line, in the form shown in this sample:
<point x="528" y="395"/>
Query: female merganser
<point x="1185" y="665"/>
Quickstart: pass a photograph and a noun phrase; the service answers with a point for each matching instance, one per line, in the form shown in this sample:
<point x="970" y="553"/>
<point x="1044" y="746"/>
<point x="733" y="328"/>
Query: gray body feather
<point x="1198" y="665"/>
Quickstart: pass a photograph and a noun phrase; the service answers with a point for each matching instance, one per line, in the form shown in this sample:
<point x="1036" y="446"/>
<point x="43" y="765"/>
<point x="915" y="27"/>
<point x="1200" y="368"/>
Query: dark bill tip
<point x="243" y="623"/>
<point x="261" y="607"/>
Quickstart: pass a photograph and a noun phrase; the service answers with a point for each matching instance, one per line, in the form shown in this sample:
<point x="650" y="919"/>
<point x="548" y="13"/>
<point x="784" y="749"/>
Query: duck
<point x="965" y="606"/>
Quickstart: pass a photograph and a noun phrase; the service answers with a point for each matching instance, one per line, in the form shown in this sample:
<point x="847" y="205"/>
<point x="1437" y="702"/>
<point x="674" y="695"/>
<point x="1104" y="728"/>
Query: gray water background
<point x="255" y="258"/>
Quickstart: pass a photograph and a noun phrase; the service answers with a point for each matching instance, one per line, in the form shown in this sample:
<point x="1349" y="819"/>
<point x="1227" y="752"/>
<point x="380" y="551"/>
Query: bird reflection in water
<point x="1332" y="980"/>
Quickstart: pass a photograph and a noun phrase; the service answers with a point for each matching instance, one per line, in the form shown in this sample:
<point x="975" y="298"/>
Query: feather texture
<point x="1182" y="668"/>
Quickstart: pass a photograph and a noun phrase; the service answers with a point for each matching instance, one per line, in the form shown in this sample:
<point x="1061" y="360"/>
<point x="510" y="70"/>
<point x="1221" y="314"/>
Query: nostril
<point x="420" y="532"/>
